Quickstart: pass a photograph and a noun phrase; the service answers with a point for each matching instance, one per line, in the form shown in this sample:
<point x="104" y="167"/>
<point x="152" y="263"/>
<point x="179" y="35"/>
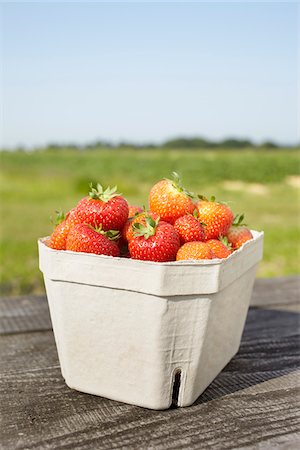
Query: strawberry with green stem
<point x="170" y="200"/>
<point x="217" y="217"/>
<point x="63" y="222"/>
<point x="87" y="239"/>
<point x="103" y="207"/>
<point x="129" y="227"/>
<point x="238" y="233"/>
<point x="220" y="247"/>
<point x="154" y="241"/>
<point x="134" y="210"/>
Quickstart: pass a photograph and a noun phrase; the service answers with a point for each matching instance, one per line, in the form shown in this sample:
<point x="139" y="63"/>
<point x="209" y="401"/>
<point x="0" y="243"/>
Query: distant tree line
<point x="193" y="143"/>
<point x="204" y="143"/>
<point x="177" y="143"/>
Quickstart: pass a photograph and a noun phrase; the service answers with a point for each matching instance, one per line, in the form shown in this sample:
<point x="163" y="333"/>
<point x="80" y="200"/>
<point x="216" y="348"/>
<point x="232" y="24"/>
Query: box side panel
<point x="110" y="343"/>
<point x="127" y="346"/>
<point x="185" y="318"/>
<point x="224" y="329"/>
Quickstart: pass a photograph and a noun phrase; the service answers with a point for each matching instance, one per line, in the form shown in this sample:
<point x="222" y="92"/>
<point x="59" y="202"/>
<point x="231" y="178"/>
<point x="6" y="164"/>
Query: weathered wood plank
<point x="21" y="314"/>
<point x="31" y="313"/>
<point x="253" y="402"/>
<point x="29" y="351"/>
<point x="67" y="419"/>
<point x="276" y="291"/>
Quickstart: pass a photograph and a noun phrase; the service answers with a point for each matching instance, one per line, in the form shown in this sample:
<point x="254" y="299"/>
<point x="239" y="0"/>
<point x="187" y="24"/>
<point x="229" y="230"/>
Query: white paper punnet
<point x="141" y="332"/>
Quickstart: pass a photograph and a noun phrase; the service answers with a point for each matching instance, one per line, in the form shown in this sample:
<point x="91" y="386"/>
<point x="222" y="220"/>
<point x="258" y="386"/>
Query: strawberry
<point x="63" y="223"/>
<point x="218" y="246"/>
<point x="189" y="229"/>
<point x="133" y="210"/>
<point x="238" y="233"/>
<point x="194" y="250"/>
<point x="155" y="241"/>
<point x="128" y="230"/>
<point x="216" y="216"/>
<point x="103" y="208"/>
<point x="59" y="236"/>
<point x="170" y="200"/>
<point x="85" y="238"/>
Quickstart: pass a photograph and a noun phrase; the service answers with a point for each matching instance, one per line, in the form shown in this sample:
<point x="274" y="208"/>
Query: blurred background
<point x="125" y="93"/>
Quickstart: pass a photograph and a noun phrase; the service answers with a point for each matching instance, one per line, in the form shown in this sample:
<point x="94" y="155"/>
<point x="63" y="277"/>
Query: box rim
<point x="257" y="235"/>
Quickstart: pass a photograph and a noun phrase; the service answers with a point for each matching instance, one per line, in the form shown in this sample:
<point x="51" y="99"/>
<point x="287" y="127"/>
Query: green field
<point x="265" y="184"/>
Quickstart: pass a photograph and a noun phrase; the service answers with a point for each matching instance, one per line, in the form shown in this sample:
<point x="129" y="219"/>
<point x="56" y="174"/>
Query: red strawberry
<point x="189" y="229"/>
<point x="133" y="210"/>
<point x="216" y="216"/>
<point x="170" y="200"/>
<point x="194" y="250"/>
<point x="219" y="248"/>
<point x="238" y="233"/>
<point x="64" y="223"/>
<point x="84" y="238"/>
<point x="103" y="208"/>
<point x="72" y="217"/>
<point x="59" y="236"/>
<point x="156" y="241"/>
<point x="128" y="230"/>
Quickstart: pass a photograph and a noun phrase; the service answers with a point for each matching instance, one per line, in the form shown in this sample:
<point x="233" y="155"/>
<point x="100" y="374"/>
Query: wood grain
<point x="276" y="291"/>
<point x="253" y="403"/>
<point x="24" y="314"/>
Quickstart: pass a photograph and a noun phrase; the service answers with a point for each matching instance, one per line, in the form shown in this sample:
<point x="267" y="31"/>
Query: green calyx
<point x="224" y="241"/>
<point x="112" y="235"/>
<point x="60" y="217"/>
<point x="212" y="199"/>
<point x="196" y="215"/>
<point x="205" y="199"/>
<point x="238" y="221"/>
<point x="177" y="184"/>
<point x="98" y="193"/>
<point x="138" y="214"/>
<point x="147" y="230"/>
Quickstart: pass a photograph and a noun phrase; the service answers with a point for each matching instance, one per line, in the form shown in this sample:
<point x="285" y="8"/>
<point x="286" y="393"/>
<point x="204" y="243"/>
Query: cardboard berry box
<point x="147" y="333"/>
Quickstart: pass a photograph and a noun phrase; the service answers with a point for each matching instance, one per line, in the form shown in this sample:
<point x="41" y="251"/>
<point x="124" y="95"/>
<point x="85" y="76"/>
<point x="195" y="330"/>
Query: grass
<point x="263" y="184"/>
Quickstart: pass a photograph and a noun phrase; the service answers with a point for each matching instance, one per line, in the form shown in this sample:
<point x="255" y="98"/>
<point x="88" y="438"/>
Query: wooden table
<point x="253" y="403"/>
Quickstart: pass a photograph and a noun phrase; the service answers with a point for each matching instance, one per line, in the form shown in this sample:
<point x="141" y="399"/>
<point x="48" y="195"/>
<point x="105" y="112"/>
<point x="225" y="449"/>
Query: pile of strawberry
<point x="174" y="228"/>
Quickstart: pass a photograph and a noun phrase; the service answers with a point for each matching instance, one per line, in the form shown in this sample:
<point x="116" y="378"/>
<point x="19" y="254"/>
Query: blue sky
<point x="148" y="71"/>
